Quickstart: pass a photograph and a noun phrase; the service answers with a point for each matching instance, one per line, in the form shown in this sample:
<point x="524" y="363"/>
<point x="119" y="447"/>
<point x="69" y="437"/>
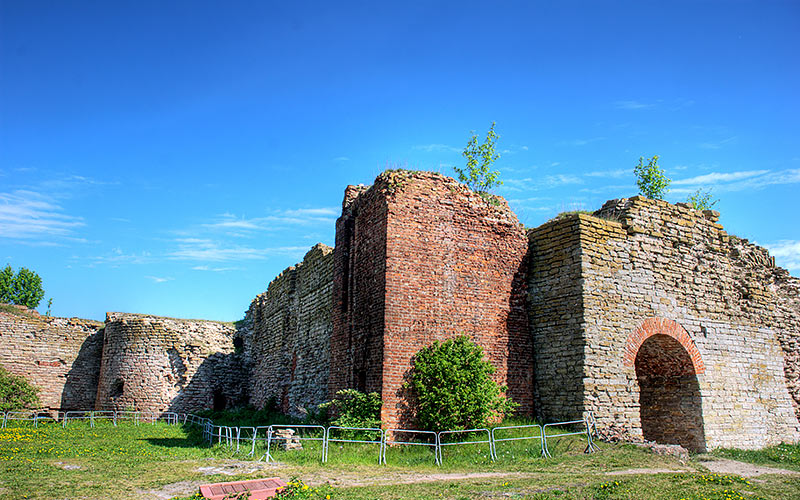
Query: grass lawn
<point x="159" y="461"/>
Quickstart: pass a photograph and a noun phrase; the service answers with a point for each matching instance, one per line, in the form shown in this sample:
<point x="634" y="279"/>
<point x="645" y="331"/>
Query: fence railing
<point x="232" y="436"/>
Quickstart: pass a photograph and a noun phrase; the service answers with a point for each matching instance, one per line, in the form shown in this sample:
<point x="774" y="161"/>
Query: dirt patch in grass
<point x="726" y="466"/>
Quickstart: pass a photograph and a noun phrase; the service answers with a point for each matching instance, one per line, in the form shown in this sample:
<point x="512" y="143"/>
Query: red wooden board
<point x="258" y="488"/>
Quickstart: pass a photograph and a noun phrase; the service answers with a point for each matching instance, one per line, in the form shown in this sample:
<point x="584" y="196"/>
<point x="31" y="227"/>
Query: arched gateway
<point x="667" y="363"/>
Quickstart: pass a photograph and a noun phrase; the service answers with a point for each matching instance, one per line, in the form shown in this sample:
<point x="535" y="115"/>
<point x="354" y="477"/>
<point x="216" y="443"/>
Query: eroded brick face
<point x="425" y="259"/>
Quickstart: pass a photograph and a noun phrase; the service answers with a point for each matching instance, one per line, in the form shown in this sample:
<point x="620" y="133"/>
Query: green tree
<point x="651" y="179"/>
<point x="701" y="200"/>
<point x="355" y="409"/>
<point x="452" y="387"/>
<point x="23" y="288"/>
<point x="477" y="174"/>
<point x="16" y="393"/>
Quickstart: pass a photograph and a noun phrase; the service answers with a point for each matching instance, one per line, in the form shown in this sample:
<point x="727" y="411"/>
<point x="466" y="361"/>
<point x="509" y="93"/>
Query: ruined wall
<point x="159" y="364"/>
<point x="787" y="325"/>
<point x="666" y="270"/>
<point x="555" y="307"/>
<point x="423" y="258"/>
<point x="291" y="325"/>
<point x="61" y="356"/>
<point x="359" y="290"/>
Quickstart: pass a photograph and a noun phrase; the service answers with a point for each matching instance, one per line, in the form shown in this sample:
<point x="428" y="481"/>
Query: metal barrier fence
<point x="232" y="436"/>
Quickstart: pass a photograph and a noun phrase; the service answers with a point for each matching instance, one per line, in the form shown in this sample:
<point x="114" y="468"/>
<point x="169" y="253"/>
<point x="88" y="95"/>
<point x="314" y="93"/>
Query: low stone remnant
<point x="287" y="440"/>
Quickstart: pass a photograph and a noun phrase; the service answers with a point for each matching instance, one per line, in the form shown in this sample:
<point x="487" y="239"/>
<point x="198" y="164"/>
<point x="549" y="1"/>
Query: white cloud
<point x="540" y="183"/>
<point x="580" y="142"/>
<point x="242" y="226"/>
<point x="32" y="215"/>
<point x="614" y="174"/>
<point x="634" y="105"/>
<point x="207" y="250"/>
<point x="738" y="181"/>
<point x="717" y="144"/>
<point x="341" y="158"/>
<point x="437" y="148"/>
<point x="787" y="254"/>
<point x="157" y="279"/>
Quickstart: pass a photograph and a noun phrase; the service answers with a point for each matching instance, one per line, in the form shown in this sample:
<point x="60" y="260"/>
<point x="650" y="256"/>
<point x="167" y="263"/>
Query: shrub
<point x="452" y="389"/>
<point x="16" y="393"/>
<point x="353" y="408"/>
<point x="701" y="200"/>
<point x="477" y="174"/>
<point x="23" y="288"/>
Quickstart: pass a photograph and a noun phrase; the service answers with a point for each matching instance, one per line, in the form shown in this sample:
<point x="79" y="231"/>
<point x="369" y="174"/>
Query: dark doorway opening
<point x="669" y="395"/>
<point x="220" y="402"/>
<point x="117" y="388"/>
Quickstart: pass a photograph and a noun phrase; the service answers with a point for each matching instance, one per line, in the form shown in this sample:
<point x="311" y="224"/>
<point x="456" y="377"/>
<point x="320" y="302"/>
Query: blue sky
<point x="173" y="157"/>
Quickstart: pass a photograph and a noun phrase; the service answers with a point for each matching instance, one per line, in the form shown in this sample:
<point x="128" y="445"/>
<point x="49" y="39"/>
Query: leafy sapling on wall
<point x="701" y="200"/>
<point x="478" y="175"/>
<point x="650" y="179"/>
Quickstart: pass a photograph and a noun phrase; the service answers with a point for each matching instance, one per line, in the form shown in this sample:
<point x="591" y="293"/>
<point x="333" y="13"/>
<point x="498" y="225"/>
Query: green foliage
<point x="355" y="409"/>
<point x="651" y="179"/>
<point x="451" y="384"/>
<point x="23" y="288"/>
<point x="477" y="175"/>
<point x="296" y="488"/>
<point x="16" y="393"/>
<point x="701" y="200"/>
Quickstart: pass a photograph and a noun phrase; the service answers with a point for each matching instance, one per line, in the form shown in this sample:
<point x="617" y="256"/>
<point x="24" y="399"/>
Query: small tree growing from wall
<point x="701" y="200"/>
<point x="453" y="389"/>
<point x="477" y="174"/>
<point x="650" y="179"/>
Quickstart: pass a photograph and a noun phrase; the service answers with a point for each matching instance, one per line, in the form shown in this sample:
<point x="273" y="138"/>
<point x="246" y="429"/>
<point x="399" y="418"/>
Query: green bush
<point x="650" y="179"/>
<point x="353" y="408"/>
<point x="452" y="389"/>
<point x="16" y="393"/>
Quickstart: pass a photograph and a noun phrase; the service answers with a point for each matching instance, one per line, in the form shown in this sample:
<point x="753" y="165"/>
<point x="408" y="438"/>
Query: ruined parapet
<point x="657" y="277"/>
<point x="291" y="325"/>
<point x="418" y="258"/>
<point x="156" y="364"/>
<point x="60" y="356"/>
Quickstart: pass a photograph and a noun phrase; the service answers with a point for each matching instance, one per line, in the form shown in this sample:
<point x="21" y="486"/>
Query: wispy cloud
<point x="215" y="269"/>
<point x="580" y="142"/>
<point x="31" y="215"/>
<point x="157" y="279"/>
<point x="612" y="174"/>
<point x="634" y="105"/>
<point x="117" y="257"/>
<point x="540" y="183"/>
<point x="436" y="148"/>
<point x="341" y="159"/>
<point x="717" y="144"/>
<point x="787" y="254"/>
<point x="737" y="181"/>
<point x="207" y="250"/>
<point x="242" y="226"/>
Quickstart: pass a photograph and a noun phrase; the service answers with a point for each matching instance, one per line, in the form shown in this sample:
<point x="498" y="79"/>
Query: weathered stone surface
<point x="291" y="330"/>
<point x="61" y="356"/>
<point x="156" y="364"/>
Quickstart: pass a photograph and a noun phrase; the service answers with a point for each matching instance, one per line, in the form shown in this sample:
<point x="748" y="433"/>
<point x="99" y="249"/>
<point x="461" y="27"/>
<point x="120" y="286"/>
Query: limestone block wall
<point x="555" y="306"/>
<point x="423" y="259"/>
<point x="668" y="270"/>
<point x="291" y="329"/>
<point x="61" y="356"/>
<point x="156" y="364"/>
<point x="787" y="325"/>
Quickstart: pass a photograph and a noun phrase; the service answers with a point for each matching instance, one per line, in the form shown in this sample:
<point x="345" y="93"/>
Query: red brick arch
<point x="662" y="326"/>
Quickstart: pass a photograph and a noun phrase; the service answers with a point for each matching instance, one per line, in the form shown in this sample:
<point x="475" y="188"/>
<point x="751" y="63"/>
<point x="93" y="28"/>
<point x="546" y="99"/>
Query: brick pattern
<point x="657" y="260"/>
<point x="156" y="364"/>
<point x="60" y="356"/>
<point x="661" y="326"/>
<point x="419" y="254"/>
<point x="291" y="325"/>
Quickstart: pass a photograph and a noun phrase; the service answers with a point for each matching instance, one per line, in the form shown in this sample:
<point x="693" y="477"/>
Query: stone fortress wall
<point x="647" y="314"/>
<point x="156" y="364"/>
<point x="61" y="355"/>
<point x="290" y="339"/>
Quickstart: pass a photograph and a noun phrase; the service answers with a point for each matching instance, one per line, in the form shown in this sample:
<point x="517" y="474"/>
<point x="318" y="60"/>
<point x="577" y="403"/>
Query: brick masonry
<point x="418" y="259"/>
<point x="60" y="355"/>
<point x="648" y="314"/>
<point x="291" y="331"/>
<point x="156" y="364"/>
